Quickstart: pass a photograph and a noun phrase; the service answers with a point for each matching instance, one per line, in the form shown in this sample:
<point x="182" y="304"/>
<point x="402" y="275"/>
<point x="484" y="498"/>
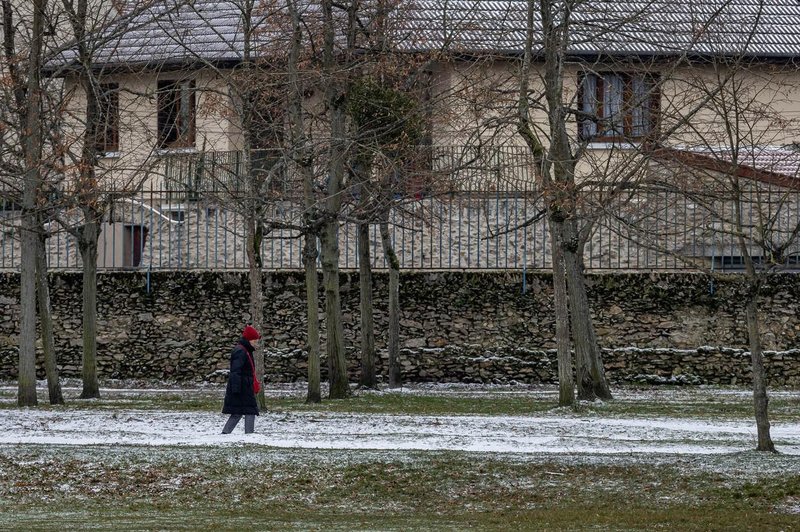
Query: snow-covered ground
<point x="556" y="432"/>
<point x="501" y="434"/>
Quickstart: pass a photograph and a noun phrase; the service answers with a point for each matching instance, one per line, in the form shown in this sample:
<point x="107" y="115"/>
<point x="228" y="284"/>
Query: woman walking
<point x="240" y="395"/>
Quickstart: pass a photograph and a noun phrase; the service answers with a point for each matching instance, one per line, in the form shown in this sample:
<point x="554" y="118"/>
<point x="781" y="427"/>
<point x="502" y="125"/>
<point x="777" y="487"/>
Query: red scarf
<point x="256" y="384"/>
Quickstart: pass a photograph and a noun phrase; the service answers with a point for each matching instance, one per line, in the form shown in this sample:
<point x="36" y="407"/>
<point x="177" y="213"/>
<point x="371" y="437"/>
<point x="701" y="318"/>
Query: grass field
<point x="244" y="486"/>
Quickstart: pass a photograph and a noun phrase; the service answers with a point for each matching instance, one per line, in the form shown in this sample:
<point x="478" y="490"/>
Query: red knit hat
<point x="250" y="334"/>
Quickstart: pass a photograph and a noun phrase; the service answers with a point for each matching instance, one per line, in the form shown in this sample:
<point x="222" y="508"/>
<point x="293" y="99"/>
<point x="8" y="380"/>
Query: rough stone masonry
<point x="456" y="326"/>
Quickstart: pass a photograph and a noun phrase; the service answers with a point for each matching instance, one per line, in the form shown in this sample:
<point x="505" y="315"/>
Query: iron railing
<point x="466" y="209"/>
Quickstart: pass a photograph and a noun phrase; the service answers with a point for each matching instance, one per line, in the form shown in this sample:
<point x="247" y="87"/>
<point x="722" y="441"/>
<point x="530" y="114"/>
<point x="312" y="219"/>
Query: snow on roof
<point x="171" y="32"/>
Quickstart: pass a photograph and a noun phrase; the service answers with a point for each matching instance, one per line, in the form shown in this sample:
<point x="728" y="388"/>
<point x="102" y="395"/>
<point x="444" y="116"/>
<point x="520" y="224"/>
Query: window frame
<point x="173" y="94"/>
<point x="603" y="124"/>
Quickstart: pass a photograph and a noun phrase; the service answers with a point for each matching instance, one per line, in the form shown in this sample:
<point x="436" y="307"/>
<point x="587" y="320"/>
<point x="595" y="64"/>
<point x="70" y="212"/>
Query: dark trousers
<point x="249" y="423"/>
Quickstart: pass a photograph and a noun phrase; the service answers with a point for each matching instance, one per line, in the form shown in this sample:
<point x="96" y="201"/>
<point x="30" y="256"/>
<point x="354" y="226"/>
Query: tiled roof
<point x="777" y="165"/>
<point x="176" y="31"/>
<point x="773" y="159"/>
<point x="638" y="27"/>
<point x="770" y="164"/>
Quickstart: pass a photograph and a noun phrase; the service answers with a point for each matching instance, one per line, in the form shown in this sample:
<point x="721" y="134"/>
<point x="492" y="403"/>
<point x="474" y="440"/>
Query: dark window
<point x="177" y="215"/>
<point x="266" y="137"/>
<point x="413" y="174"/>
<point x="618" y="105"/>
<point x="108" y="118"/>
<point x="267" y="122"/>
<point x="737" y="263"/>
<point x="176" y="114"/>
<point x="134" y="239"/>
<point x="8" y="204"/>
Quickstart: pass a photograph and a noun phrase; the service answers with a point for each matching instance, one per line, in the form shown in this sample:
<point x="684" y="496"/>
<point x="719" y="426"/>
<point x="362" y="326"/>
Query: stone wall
<point x="475" y="364"/>
<point x="456" y="326"/>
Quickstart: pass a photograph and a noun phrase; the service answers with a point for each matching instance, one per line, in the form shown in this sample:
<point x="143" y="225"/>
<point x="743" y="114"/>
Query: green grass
<point x="255" y="487"/>
<point x="689" y="402"/>
<point x="198" y="488"/>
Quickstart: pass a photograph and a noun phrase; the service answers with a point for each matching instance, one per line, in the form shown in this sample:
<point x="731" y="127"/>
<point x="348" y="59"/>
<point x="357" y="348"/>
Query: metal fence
<point x="482" y="212"/>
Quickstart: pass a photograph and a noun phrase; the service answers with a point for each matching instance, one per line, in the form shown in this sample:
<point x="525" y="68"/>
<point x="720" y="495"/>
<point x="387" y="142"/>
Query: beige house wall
<point x="139" y="161"/>
<point x="58" y="34"/>
<point x="476" y="103"/>
<point x="758" y="105"/>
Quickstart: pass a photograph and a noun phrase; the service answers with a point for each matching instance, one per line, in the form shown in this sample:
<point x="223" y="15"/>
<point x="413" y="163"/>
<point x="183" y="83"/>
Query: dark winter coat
<point x="239" y="396"/>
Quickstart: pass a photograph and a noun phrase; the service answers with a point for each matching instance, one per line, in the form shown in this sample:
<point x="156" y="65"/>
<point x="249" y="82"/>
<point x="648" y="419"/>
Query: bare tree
<point x="736" y="168"/>
<point x="580" y="184"/>
<point x="86" y="191"/>
<point x="255" y="182"/>
<point x="556" y="164"/>
<point x="387" y="131"/>
<point x="267" y="91"/>
<point x="90" y="108"/>
<point x="335" y="78"/>
<point x="302" y="159"/>
<point x="32" y="141"/>
<point x="17" y="28"/>
<point x="46" y="321"/>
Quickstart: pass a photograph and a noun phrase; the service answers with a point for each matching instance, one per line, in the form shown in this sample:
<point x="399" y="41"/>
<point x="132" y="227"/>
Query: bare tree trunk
<point x="561" y="162"/>
<point x="87" y="192"/>
<point x="312" y="309"/>
<point x="46" y="321"/>
<point x="87" y="245"/>
<point x="566" y="383"/>
<point x="27" y="323"/>
<point x="581" y="335"/>
<point x="760" y="399"/>
<point x="553" y="166"/>
<point x="335" y="99"/>
<point x="595" y="356"/>
<point x="254" y="238"/>
<point x="253" y="185"/>
<point x="368" y="378"/>
<point x="27" y="338"/>
<point x="337" y="362"/>
<point x="303" y="162"/>
<point x="591" y="375"/>
<point x="395" y="377"/>
<point x="32" y="146"/>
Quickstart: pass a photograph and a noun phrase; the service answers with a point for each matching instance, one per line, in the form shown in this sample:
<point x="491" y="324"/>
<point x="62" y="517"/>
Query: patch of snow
<point x="322" y="430"/>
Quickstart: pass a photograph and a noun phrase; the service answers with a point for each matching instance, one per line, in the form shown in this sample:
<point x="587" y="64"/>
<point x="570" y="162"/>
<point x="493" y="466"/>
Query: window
<point x="9" y="204"/>
<point x="134" y="238"/>
<point x="108" y="118"/>
<point x="737" y="263"/>
<point x="619" y="105"/>
<point x="176" y="214"/>
<point x="176" y="114"/>
<point x="267" y="122"/>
